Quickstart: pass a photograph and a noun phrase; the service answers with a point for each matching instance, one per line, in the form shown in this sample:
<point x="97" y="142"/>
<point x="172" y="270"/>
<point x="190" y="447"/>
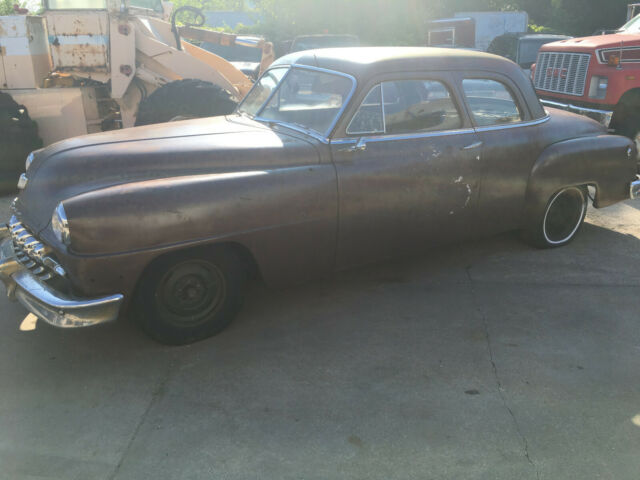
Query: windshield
<point x="299" y="96"/>
<point x="528" y="51"/>
<point x="632" y="26"/>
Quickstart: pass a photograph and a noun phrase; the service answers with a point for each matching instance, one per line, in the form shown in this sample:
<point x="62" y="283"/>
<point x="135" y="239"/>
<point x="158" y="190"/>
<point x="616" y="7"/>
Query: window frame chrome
<point x="517" y="101"/>
<point x="378" y="85"/>
<point x="321" y="136"/>
<point x="440" y="133"/>
<point x="449" y="87"/>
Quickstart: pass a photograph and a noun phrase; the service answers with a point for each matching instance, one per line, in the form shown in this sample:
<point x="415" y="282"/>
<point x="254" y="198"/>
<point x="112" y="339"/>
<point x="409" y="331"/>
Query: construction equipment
<point x="87" y="66"/>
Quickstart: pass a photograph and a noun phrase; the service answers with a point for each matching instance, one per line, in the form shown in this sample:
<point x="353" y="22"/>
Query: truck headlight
<point x="598" y="87"/>
<point x="60" y="225"/>
<point x="29" y="161"/>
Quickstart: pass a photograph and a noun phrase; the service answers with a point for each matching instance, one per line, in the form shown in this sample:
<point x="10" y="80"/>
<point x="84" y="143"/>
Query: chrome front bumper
<point x="602" y="116"/>
<point x="47" y="303"/>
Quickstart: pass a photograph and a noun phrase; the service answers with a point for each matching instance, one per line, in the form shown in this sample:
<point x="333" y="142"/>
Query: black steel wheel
<point x="181" y="99"/>
<point x="190" y="295"/>
<point x="562" y="218"/>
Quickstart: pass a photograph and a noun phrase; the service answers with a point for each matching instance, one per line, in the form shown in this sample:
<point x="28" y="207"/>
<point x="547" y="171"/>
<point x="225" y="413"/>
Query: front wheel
<point x="181" y="99"/>
<point x="561" y="219"/>
<point x="190" y="296"/>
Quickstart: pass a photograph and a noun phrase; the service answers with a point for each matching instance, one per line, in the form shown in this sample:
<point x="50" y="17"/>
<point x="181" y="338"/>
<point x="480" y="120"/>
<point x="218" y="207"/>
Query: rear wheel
<point x="184" y="99"/>
<point x="190" y="295"/>
<point x="561" y="219"/>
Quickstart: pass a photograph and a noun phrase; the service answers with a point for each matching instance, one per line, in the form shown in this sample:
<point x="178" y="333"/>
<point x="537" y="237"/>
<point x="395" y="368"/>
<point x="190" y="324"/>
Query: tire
<point x="626" y="122"/>
<point x="184" y="98"/>
<point x="191" y="295"/>
<point x="18" y="137"/>
<point x="561" y="220"/>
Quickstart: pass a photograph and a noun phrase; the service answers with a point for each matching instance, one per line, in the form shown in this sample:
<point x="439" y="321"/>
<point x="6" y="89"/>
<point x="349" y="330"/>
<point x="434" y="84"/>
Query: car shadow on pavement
<point x="364" y="366"/>
<point x="502" y="258"/>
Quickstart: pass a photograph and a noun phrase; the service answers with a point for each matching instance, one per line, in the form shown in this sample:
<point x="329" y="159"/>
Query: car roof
<point x="362" y="62"/>
<point x="366" y="62"/>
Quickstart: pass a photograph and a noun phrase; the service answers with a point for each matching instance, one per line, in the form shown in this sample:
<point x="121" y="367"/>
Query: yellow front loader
<point x="86" y="66"/>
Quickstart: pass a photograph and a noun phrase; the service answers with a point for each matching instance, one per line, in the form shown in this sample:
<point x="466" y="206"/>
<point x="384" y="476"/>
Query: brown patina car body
<point x="295" y="203"/>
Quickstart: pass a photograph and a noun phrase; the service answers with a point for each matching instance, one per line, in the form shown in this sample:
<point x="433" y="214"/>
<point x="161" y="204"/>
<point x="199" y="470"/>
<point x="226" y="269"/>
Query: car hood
<point x="192" y="147"/>
<point x="589" y="44"/>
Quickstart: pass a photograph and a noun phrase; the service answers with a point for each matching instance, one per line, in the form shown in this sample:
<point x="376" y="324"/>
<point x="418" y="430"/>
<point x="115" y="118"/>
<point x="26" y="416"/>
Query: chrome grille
<point x="31" y="253"/>
<point x="560" y="72"/>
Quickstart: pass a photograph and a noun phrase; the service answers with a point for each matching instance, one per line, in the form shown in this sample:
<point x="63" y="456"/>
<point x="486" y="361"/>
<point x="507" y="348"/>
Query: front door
<point x="408" y="173"/>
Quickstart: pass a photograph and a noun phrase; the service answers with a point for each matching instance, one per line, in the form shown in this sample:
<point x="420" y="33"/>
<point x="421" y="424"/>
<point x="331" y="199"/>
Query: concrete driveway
<point x="489" y="361"/>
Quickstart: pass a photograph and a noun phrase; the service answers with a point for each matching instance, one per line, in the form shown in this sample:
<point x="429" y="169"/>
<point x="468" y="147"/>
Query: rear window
<point x="491" y="102"/>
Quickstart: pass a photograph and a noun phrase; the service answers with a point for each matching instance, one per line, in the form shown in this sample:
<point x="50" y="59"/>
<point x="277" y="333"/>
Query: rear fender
<point x="605" y="161"/>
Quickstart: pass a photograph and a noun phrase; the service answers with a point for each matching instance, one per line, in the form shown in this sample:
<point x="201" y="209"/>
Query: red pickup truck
<point x="597" y="76"/>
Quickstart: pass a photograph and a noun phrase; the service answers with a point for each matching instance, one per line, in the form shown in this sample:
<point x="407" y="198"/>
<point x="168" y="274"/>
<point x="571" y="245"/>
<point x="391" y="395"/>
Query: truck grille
<point x="31" y="253"/>
<point x="562" y="72"/>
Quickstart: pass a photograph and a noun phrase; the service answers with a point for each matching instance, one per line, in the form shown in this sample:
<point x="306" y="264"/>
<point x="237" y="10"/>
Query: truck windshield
<point x="632" y="26"/>
<point x="298" y="96"/>
<point x="528" y="51"/>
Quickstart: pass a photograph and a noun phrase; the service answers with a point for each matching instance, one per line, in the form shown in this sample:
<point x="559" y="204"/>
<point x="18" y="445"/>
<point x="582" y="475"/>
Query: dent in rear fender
<point x="281" y="215"/>
<point x="601" y="160"/>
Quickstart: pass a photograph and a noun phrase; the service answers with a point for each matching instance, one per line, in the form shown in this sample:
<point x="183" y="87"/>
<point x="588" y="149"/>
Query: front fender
<point x="286" y="218"/>
<point x="607" y="162"/>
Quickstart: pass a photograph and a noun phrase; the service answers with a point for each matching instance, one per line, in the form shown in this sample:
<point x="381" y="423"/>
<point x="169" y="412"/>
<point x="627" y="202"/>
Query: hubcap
<point x="191" y="292"/>
<point x="563" y="215"/>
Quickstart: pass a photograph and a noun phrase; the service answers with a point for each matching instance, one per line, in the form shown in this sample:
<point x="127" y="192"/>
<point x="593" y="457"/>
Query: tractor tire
<point x="18" y="137"/>
<point x="184" y="99"/>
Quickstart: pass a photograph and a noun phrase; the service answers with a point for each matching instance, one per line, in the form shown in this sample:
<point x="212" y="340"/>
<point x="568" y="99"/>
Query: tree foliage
<point x="380" y="22"/>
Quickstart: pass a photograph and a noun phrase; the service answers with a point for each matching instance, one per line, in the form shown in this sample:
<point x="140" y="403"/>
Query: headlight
<point x="60" y="225"/>
<point x="27" y="164"/>
<point x="598" y="87"/>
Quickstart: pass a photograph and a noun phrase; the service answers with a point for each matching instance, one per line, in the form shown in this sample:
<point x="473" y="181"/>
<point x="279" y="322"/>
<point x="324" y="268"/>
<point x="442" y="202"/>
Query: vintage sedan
<point x="336" y="158"/>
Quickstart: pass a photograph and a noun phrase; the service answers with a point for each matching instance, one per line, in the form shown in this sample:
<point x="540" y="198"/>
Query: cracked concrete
<point x="487" y="360"/>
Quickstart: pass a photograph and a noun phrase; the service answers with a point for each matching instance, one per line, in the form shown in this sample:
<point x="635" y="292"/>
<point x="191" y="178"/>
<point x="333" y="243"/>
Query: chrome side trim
<point x="463" y="131"/>
<point x="411" y="136"/>
<point x="507" y="126"/>
<point x="602" y="116"/>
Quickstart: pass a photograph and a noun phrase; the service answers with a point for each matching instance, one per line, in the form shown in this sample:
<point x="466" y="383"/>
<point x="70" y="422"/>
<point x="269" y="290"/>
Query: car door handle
<point x="361" y="146"/>
<point x="473" y="146"/>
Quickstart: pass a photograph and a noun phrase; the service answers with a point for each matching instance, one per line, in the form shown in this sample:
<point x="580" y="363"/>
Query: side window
<point x="406" y="106"/>
<point x="368" y="118"/>
<point x="413" y="106"/>
<point x="491" y="102"/>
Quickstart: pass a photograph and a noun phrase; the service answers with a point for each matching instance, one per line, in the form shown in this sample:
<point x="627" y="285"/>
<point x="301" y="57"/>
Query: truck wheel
<point x="190" y="295"/>
<point x="626" y="120"/>
<point x="18" y="137"/>
<point x="561" y="219"/>
<point x="184" y="98"/>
